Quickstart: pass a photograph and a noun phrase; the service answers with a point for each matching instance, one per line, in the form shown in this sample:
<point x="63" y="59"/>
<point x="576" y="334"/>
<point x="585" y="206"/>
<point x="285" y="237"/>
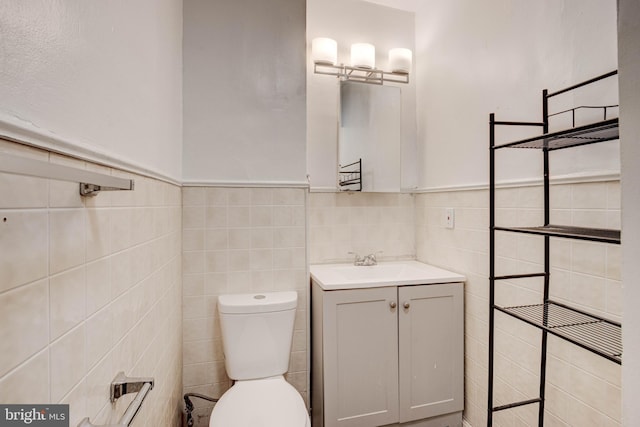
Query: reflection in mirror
<point x="370" y="120"/>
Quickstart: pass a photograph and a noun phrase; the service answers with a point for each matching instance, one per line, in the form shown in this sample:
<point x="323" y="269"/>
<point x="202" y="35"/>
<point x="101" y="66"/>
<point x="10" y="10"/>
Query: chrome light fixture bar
<point x="362" y="75"/>
<point x="324" y="52"/>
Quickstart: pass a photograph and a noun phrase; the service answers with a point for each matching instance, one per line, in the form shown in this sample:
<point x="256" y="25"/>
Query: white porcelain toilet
<point x="257" y="330"/>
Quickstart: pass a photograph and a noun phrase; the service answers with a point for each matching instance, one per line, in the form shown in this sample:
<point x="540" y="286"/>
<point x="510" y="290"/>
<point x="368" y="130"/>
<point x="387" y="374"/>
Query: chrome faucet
<point x="367" y="260"/>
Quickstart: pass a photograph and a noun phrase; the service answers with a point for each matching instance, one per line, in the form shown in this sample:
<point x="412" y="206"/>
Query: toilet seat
<point x="268" y="402"/>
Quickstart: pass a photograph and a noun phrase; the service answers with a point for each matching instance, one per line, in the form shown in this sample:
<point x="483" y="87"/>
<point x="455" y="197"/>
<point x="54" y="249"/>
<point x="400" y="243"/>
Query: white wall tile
<point x="97" y="394"/>
<point x="77" y="401"/>
<point x="24" y="323"/>
<point x="239" y="196"/>
<point x="28" y="383"/>
<point x="66" y="239"/>
<point x="67" y="299"/>
<point x="193" y="262"/>
<point x="121" y="229"/>
<point x="216" y="239"/>
<point x="589" y="258"/>
<point x="59" y="258"/>
<point x="240" y="238"/>
<point x="193" y="240"/>
<point x="589" y="196"/>
<point x="217" y="261"/>
<point x="99" y="339"/>
<point x="216" y="216"/>
<point x="17" y="191"/>
<point x="340" y="223"/>
<point x="122" y="277"/>
<point x="261" y="216"/>
<point x="67" y="361"/>
<point x="214" y="196"/>
<point x="193" y="216"/>
<point x="23" y="244"/>
<point x="239" y="216"/>
<point x="261" y="196"/>
<point x="193" y="196"/>
<point x="98" y="243"/>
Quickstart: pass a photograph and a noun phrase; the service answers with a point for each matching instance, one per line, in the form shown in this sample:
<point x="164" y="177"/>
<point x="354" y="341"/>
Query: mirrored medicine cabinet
<point x="369" y="137"/>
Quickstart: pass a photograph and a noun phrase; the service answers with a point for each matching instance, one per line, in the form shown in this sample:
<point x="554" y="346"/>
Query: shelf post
<point x="547" y="261"/>
<point x="492" y="223"/>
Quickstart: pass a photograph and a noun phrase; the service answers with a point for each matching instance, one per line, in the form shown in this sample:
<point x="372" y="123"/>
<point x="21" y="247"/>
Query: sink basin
<point x="351" y="272"/>
<point x="348" y="276"/>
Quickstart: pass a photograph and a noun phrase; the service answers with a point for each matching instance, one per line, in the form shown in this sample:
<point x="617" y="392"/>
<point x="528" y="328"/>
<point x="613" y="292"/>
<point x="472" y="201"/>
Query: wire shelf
<point x="606" y="130"/>
<point x="604" y="235"/>
<point x="588" y="331"/>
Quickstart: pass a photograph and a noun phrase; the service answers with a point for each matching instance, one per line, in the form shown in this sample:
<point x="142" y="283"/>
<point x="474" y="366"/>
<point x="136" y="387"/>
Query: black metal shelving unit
<point x="586" y="330"/>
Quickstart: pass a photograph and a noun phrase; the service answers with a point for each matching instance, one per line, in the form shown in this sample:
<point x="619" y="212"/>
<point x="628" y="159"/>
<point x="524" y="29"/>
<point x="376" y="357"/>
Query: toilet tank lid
<point x="262" y="302"/>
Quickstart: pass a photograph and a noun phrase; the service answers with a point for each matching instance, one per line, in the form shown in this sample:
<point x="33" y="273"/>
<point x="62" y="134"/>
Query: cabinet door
<point x="360" y="357"/>
<point x="431" y="340"/>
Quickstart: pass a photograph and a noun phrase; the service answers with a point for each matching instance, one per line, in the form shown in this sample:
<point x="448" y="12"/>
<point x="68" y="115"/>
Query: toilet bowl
<point x="269" y="402"/>
<point x="257" y="331"/>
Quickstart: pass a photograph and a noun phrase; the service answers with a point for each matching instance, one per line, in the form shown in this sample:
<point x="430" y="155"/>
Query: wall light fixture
<point x="324" y="52"/>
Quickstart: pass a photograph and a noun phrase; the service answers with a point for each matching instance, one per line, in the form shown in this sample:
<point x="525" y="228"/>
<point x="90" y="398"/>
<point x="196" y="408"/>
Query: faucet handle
<point x="357" y="259"/>
<point x="370" y="259"/>
<point x="373" y="256"/>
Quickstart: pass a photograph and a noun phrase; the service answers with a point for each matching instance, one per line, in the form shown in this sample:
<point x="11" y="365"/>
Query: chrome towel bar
<point x="90" y="182"/>
<point x="120" y="386"/>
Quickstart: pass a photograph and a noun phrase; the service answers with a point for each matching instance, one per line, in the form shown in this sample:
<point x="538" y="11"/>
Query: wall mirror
<point x="369" y="137"/>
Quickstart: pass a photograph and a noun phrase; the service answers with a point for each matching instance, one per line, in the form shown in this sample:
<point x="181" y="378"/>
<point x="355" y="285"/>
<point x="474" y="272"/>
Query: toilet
<point x="257" y="330"/>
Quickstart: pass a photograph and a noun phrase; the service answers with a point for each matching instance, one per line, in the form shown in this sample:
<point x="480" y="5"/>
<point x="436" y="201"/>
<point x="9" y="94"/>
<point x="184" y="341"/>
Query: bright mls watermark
<point x="34" y="415"/>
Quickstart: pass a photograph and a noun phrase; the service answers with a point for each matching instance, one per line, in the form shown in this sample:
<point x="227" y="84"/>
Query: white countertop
<point x="347" y="276"/>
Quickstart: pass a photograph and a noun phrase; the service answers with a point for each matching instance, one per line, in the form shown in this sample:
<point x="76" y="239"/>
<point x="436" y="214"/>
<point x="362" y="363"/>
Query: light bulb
<point x="324" y="51"/>
<point x="363" y="55"/>
<point x="400" y="60"/>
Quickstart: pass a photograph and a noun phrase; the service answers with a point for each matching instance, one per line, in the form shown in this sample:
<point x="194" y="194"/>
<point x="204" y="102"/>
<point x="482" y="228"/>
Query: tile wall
<point x="582" y="389"/>
<point x="363" y="223"/>
<point x="89" y="287"/>
<point x="239" y="240"/>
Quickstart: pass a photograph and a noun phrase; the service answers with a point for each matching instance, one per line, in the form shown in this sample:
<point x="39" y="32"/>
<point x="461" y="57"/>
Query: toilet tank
<point x="257" y="330"/>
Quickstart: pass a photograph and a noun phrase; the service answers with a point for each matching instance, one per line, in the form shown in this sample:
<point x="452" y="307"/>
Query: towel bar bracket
<point x="123" y="384"/>
<point x="92" y="190"/>
<point x="120" y="386"/>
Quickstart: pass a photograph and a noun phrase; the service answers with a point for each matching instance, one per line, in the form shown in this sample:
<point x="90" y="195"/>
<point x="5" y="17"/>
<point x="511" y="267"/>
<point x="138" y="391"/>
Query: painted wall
<point x="244" y="91"/>
<point x="474" y="58"/>
<point x="102" y="80"/>
<point x="89" y="287"/>
<point x="348" y="22"/>
<point x="629" y="57"/>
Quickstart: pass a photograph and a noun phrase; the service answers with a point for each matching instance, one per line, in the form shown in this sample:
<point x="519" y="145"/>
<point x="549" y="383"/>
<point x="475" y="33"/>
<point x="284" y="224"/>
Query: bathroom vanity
<point x="387" y="345"/>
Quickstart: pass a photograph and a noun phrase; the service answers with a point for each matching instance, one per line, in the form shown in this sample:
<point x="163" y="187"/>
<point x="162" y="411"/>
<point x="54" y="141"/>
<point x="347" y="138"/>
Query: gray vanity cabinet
<point x="431" y="351"/>
<point x="388" y="356"/>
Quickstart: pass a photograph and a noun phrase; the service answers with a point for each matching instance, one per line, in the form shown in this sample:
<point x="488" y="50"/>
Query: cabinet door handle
<point x="392" y="304"/>
<point x="406" y="305"/>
